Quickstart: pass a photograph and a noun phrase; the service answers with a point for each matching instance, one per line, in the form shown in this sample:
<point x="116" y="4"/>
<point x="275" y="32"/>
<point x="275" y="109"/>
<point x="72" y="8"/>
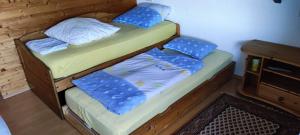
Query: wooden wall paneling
<point x="19" y="17"/>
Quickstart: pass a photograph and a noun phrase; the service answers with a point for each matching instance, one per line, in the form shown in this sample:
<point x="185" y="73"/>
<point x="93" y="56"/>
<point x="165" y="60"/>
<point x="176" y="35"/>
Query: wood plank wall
<point x="18" y="17"/>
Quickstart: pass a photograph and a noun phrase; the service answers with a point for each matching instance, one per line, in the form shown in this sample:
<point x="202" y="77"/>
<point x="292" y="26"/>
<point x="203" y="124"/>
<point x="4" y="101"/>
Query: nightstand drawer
<point x="280" y="97"/>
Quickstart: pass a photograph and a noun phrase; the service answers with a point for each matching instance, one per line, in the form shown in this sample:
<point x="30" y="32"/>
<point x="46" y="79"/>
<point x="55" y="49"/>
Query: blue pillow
<point x="196" y="48"/>
<point x="140" y="16"/>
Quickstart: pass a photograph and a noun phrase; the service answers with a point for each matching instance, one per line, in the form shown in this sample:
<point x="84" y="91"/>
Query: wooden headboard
<point x="18" y="18"/>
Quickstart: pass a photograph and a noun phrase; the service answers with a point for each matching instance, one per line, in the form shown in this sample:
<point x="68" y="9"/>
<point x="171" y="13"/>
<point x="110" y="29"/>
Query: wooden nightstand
<point x="272" y="74"/>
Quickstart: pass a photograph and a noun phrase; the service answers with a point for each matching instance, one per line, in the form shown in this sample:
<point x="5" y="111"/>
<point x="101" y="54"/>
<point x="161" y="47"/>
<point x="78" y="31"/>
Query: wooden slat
<point x="13" y="92"/>
<point x="4" y="37"/>
<point x="3" y="30"/>
<point x="8" y="58"/>
<point x="13" y="84"/>
<point x="11" y="64"/>
<point x="16" y="72"/>
<point x="47" y="7"/>
<point x="20" y="17"/>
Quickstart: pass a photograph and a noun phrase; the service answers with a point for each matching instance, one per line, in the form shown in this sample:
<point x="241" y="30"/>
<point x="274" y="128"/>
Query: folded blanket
<point x="124" y="86"/>
<point x="46" y="45"/>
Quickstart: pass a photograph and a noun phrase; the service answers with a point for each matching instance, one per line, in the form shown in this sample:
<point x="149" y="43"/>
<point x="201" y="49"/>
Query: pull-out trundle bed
<point x="162" y="114"/>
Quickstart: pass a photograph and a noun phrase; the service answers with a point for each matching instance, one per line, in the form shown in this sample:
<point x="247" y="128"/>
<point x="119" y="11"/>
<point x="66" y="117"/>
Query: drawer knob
<point x="280" y="99"/>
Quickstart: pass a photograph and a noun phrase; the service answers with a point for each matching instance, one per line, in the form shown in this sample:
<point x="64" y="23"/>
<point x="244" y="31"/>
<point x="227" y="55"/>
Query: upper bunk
<point x="60" y="68"/>
<point x="129" y="39"/>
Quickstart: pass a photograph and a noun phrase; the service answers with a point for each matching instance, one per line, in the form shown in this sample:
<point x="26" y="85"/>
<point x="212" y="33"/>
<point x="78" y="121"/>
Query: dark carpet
<point x="229" y="115"/>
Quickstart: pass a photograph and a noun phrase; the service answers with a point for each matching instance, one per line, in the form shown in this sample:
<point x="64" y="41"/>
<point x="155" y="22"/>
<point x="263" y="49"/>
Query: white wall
<point x="229" y="23"/>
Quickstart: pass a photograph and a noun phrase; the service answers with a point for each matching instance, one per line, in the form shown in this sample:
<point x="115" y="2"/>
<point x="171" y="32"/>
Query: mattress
<point x="108" y="123"/>
<point x="129" y="39"/>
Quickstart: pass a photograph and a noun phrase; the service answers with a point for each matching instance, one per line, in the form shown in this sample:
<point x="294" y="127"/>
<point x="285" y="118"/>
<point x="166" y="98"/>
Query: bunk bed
<point x="49" y="76"/>
<point x="53" y="84"/>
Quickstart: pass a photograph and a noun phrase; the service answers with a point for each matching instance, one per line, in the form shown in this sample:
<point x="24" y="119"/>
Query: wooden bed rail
<point x="65" y="83"/>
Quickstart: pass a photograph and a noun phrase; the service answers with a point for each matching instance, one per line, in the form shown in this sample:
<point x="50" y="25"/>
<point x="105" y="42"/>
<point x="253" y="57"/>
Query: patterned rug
<point x="238" y="116"/>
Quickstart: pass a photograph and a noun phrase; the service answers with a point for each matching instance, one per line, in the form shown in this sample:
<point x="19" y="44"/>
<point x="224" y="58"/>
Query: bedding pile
<point x="46" y="46"/>
<point x="145" y="15"/>
<point x="74" y="31"/>
<point x="124" y="86"/>
<point x="80" y="30"/>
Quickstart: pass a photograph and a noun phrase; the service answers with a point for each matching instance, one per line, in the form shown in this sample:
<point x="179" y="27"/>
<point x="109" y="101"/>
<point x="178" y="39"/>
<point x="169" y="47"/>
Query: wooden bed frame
<point x="50" y="90"/>
<point x="173" y="118"/>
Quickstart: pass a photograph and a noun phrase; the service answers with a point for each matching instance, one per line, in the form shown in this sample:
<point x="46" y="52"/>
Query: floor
<point x="25" y="114"/>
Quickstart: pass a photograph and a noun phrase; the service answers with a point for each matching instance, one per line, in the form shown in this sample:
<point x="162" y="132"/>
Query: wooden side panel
<point x="19" y="17"/>
<point x="39" y="78"/>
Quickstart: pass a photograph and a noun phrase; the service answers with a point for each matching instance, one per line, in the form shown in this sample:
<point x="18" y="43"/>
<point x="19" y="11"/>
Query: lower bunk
<point x="164" y="113"/>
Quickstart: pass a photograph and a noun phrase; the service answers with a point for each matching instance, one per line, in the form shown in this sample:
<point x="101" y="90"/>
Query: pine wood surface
<point x="19" y="17"/>
<point x="25" y="114"/>
<point x="280" y="52"/>
<point x="280" y="89"/>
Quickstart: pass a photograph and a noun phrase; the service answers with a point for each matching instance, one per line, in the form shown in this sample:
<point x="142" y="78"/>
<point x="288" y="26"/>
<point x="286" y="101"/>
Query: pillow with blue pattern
<point x="193" y="47"/>
<point x="163" y="10"/>
<point x="145" y="15"/>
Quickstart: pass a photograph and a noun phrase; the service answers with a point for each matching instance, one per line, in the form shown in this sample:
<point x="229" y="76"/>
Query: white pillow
<point x="77" y="31"/>
<point x="163" y="10"/>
